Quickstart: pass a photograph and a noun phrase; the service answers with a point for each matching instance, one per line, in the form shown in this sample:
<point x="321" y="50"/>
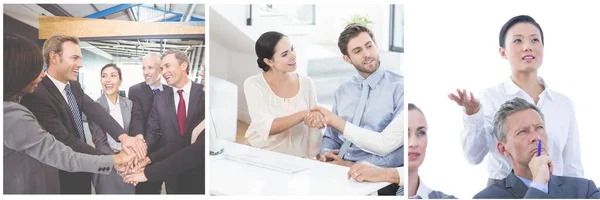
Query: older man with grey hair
<point x="142" y="96"/>
<point x="519" y="127"/>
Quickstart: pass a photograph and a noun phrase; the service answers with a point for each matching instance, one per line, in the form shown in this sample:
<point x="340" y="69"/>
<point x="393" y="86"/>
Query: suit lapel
<point x="55" y="93"/>
<point x="104" y="103"/>
<point x="515" y="186"/>
<point x="194" y="101"/>
<point x="147" y="91"/>
<point x="554" y="188"/>
<point x="125" y="112"/>
<point x="171" y="106"/>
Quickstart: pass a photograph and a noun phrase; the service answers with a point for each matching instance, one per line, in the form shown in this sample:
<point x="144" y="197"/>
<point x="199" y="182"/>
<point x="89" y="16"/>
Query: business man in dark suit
<point x="184" y="159"/>
<point x="58" y="103"/>
<point x="142" y="96"/>
<point x="519" y="127"/>
<point x="174" y="114"/>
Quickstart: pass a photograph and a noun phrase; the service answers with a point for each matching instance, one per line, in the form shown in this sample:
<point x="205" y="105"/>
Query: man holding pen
<point x="521" y="136"/>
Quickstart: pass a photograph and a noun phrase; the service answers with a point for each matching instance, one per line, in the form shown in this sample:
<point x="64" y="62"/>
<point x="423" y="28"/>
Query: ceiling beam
<point x="111" y="10"/>
<point x="103" y="29"/>
<point x="55" y="9"/>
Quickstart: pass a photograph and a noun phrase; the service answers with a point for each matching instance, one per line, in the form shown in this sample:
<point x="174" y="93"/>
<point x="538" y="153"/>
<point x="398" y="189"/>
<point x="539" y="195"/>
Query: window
<point x="397" y="28"/>
<point x="295" y="14"/>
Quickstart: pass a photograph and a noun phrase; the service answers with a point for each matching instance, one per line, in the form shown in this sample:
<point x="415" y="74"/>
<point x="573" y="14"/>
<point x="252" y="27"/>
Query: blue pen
<point x="539" y="150"/>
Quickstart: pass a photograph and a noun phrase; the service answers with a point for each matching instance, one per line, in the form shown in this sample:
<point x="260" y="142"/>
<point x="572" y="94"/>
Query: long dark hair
<point x="23" y="62"/>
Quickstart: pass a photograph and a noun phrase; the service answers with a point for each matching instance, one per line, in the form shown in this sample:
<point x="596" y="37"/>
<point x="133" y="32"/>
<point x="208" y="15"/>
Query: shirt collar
<point x="373" y="79"/>
<point x="61" y="86"/>
<point x="110" y="102"/>
<point x="525" y="181"/>
<point x="160" y="87"/>
<point x="186" y="88"/>
<point x="422" y="191"/>
<point x="511" y="88"/>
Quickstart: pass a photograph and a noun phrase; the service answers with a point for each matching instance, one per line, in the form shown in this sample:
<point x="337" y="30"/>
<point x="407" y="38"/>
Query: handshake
<point x="319" y="117"/>
<point x="132" y="160"/>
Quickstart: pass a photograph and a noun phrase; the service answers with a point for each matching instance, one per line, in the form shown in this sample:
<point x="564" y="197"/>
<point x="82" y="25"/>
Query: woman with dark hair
<point x="279" y="100"/>
<point x="120" y="109"/>
<point x="32" y="155"/>
<point x="521" y="42"/>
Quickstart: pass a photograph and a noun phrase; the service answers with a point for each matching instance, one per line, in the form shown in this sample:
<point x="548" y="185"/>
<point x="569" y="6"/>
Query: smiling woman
<point x="279" y="99"/>
<point x="120" y="109"/>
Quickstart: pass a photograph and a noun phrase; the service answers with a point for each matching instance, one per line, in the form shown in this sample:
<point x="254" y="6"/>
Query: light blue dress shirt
<point x="385" y="100"/>
<point x="160" y="87"/>
<point x="539" y="186"/>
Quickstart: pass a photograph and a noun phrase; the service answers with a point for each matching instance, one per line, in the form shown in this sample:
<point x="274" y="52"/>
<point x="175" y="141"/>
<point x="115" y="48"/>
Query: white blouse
<point x="115" y="113"/>
<point x="478" y="138"/>
<point x="264" y="106"/>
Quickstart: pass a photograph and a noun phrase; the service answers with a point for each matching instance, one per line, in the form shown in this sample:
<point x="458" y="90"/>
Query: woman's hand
<point x="469" y="102"/>
<point x="331" y="118"/>
<point x="315" y="119"/>
<point x="135" y="178"/>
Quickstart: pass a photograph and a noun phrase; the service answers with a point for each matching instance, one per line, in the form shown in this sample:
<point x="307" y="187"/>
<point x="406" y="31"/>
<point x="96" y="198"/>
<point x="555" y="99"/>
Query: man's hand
<point x="138" y="166"/>
<point x="134" y="145"/>
<point x="333" y="158"/>
<point x="123" y="158"/>
<point x="135" y="178"/>
<point x="364" y="171"/>
<point x="469" y="102"/>
<point x="314" y="119"/>
<point x="331" y="118"/>
<point x="541" y="168"/>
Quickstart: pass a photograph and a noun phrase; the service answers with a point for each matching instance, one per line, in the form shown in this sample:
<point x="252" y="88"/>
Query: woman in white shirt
<point x="522" y="45"/>
<point x="279" y="100"/>
<point x="120" y="109"/>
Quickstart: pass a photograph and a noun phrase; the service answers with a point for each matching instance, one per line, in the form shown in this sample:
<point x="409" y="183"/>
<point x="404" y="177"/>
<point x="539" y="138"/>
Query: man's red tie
<point x="181" y="112"/>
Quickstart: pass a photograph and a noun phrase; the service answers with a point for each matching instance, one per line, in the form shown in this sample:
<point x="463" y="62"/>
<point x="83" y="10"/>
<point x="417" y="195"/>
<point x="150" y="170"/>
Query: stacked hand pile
<point x="132" y="168"/>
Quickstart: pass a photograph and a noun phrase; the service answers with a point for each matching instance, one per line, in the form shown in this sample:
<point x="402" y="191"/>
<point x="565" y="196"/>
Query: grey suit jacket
<point x="31" y="155"/>
<point x="561" y="187"/>
<point x="98" y="134"/>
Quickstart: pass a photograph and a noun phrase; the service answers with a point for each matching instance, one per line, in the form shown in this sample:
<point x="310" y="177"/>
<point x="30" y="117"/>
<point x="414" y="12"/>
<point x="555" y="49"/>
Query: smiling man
<point x="369" y="100"/>
<point x="59" y="102"/>
<point x="519" y="126"/>
<point x="176" y="111"/>
<point x="142" y="95"/>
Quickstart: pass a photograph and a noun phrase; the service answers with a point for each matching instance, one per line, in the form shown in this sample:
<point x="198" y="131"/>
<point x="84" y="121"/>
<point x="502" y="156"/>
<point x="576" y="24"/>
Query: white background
<point x="454" y="45"/>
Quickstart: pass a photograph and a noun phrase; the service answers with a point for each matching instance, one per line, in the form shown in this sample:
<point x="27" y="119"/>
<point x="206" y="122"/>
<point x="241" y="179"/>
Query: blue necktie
<point x="155" y="91"/>
<point x="358" y="114"/>
<point x="75" y="112"/>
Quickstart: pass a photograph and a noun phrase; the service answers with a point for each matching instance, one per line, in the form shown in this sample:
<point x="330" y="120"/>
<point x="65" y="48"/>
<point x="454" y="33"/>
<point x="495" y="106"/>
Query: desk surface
<point x="228" y="177"/>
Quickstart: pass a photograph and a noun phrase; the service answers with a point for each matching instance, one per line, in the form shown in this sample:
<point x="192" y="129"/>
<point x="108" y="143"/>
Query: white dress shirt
<point x="381" y="144"/>
<point x="478" y="138"/>
<point x="115" y="113"/>
<point x="60" y="86"/>
<point x="186" y="96"/>
<point x="264" y="106"/>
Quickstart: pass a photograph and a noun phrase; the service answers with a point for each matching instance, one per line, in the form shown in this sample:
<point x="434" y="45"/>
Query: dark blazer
<point x="163" y="126"/>
<point x="188" y="158"/>
<point x="142" y="97"/>
<point x="53" y="113"/>
<point x="561" y="187"/>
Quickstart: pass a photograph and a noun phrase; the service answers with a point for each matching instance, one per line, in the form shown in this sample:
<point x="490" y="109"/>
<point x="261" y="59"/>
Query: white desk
<point x="228" y="177"/>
